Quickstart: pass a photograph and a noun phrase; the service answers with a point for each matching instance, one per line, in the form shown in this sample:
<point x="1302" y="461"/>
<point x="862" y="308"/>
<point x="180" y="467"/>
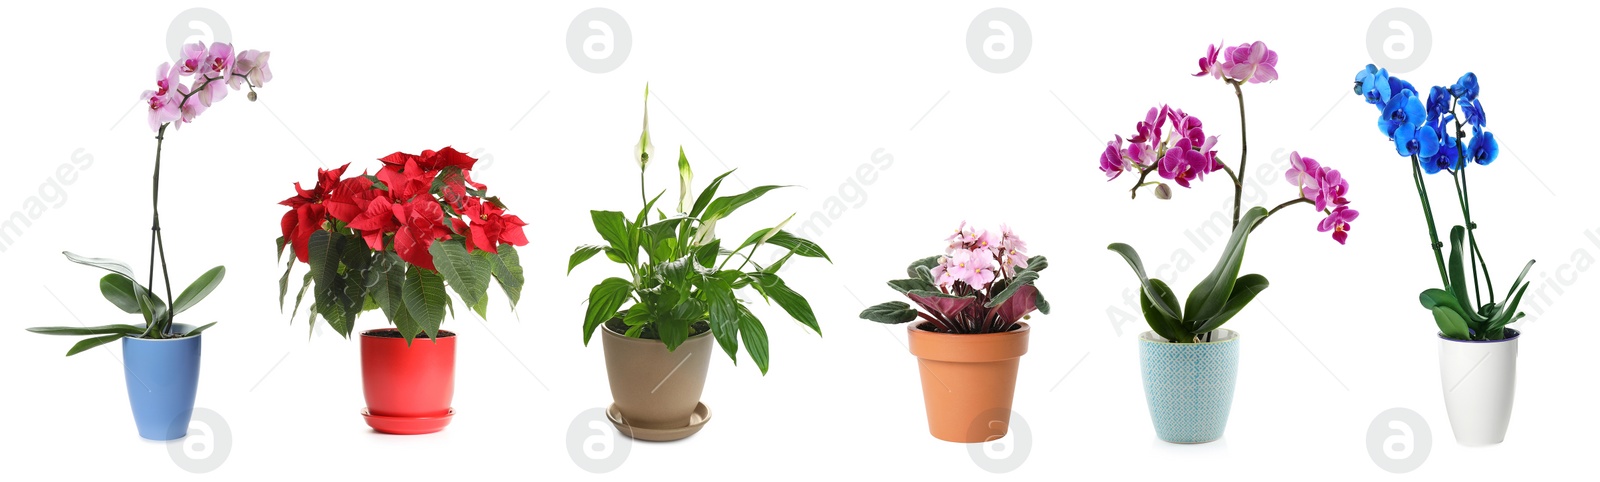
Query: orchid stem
<point x="1244" y="150"/>
<point x="1427" y="213"/>
<point x="155" y="238"/>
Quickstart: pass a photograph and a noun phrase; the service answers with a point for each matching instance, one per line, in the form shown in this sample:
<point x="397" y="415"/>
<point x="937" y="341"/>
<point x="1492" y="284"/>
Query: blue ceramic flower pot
<point x="163" y="376"/>
<point x="1189" y="386"/>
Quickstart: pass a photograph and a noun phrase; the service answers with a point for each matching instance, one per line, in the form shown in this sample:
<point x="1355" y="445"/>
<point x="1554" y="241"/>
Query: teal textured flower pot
<point x="1189" y="386"/>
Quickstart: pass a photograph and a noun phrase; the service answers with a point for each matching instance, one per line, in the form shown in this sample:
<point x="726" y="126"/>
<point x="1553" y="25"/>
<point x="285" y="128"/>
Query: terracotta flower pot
<point x="408" y="388"/>
<point x="1479" y="379"/>
<point x="968" y="380"/>
<point x="657" y="392"/>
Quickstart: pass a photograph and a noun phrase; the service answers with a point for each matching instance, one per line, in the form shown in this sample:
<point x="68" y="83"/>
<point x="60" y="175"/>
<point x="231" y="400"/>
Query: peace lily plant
<point x="161" y="358"/>
<point x="683" y="289"/>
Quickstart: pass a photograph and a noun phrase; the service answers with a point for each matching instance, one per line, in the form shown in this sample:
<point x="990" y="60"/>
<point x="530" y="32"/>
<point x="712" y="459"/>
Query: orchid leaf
<point x="1168" y="309"/>
<point x="1244" y="290"/>
<point x="1211" y="296"/>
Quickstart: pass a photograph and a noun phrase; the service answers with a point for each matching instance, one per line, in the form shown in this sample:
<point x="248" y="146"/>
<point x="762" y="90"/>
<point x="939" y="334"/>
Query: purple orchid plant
<point x="983" y="283"/>
<point x="1174" y="145"/>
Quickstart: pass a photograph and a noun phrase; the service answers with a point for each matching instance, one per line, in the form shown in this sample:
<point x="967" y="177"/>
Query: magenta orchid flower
<point x="1252" y="62"/>
<point x="1331" y="189"/>
<point x="1112" y="160"/>
<point x="1209" y="65"/>
<point x="1305" y="174"/>
<point x="1338" y="221"/>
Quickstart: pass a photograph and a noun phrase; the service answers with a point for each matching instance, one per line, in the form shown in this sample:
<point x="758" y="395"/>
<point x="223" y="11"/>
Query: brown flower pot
<point x="968" y="380"/>
<point x="657" y="392"/>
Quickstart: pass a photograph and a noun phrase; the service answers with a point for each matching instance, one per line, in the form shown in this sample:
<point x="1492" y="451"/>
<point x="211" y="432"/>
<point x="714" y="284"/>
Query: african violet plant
<point x="1432" y="132"/>
<point x="682" y="285"/>
<point x="211" y="72"/>
<point x="983" y="283"/>
<point x="392" y="242"/>
<point x="1174" y="145"/>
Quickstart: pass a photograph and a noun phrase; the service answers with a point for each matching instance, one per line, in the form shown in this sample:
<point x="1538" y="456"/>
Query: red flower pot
<point x="408" y="388"/>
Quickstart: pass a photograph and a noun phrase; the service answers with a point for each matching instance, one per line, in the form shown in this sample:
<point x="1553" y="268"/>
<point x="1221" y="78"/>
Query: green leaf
<point x="1450" y="323"/>
<point x="305" y="284"/>
<point x="581" y="254"/>
<point x="466" y="273"/>
<point x="1211" y="295"/>
<point x="604" y="300"/>
<point x="754" y="336"/>
<point x="425" y="299"/>
<point x="674" y="329"/>
<point x="204" y="285"/>
<point x="283" y="283"/>
<point x="788" y="299"/>
<point x="925" y="274"/>
<point x="85" y="345"/>
<point x="130" y="330"/>
<point x="704" y="199"/>
<point x="1458" y="275"/>
<point x="1505" y="316"/>
<point x="389" y="292"/>
<point x="199" y="329"/>
<point x="908" y="285"/>
<point x="1038" y="263"/>
<point x="723" y="206"/>
<point x="1434" y="297"/>
<point x="281" y="243"/>
<point x="1023" y="278"/>
<point x="508" y="273"/>
<point x="154" y="315"/>
<point x="1039" y="303"/>
<point x="120" y="292"/>
<point x="1169" y="327"/>
<point x="1160" y="303"/>
<point x="893" y="312"/>
<point x="928" y="263"/>
<point x="614" y="229"/>
<point x="706" y="255"/>
<point x="1244" y="290"/>
<point x="724" y="314"/>
<point x="798" y="245"/>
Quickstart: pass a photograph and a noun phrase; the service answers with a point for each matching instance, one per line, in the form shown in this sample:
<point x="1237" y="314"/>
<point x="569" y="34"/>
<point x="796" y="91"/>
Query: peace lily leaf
<point x="754" y="336"/>
<point x="797" y="245"/>
<point x="581" y="254"/>
<point x="704" y="199"/>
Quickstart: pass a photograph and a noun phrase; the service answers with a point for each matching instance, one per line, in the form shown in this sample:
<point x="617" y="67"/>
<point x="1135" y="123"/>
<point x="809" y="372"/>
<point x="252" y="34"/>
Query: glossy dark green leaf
<point x="86" y="344"/>
<point x="1210" y="296"/>
<point x="724" y="314"/>
<point x="755" y="338"/>
<point x="614" y="229"/>
<point x="706" y="195"/>
<point x="791" y="301"/>
<point x="799" y="246"/>
<point x="201" y="287"/>
<point x="120" y="292"/>
<point x="604" y="300"/>
<point x="1169" y="327"/>
<point x="1168" y="310"/>
<point x="721" y="207"/>
<point x="1245" y="290"/>
<point x="89" y="330"/>
<point x="581" y="254"/>
<point x="1458" y="276"/>
<point x="1450" y="323"/>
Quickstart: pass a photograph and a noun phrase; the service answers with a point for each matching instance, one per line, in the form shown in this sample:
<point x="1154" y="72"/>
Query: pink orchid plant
<point x="1175" y="146"/>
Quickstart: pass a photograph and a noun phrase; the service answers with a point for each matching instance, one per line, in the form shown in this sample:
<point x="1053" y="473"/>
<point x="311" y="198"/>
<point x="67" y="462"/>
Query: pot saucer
<point x="407" y="425"/>
<point x="697" y="421"/>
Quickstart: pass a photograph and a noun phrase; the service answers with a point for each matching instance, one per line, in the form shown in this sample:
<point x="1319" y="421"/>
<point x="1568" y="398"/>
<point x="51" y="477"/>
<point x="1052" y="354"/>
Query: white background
<point x="804" y="96"/>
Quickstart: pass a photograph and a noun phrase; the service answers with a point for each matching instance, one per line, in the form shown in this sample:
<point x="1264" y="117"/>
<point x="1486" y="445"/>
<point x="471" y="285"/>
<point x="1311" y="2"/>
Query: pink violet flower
<point x="1252" y="62"/>
<point x="1338" y="221"/>
<point x="1013" y="251"/>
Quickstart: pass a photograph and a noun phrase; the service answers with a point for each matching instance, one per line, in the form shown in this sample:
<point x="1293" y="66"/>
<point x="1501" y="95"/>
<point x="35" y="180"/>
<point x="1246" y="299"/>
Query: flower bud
<point x="251" y="95"/>
<point x="1163" y="191"/>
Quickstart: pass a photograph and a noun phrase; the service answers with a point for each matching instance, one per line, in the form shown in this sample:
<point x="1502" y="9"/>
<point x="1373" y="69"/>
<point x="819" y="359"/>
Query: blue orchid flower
<point x="1438" y="102"/>
<point x="1403" y="112"/>
<point x="1474" y="113"/>
<point x="1466" y="87"/>
<point x="1412" y="140"/>
<point x="1483" y="149"/>
<point x="1372" y="83"/>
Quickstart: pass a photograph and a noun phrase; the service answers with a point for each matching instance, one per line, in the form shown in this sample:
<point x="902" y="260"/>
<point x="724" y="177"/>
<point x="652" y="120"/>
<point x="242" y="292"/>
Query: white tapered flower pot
<point x="1479" y="379"/>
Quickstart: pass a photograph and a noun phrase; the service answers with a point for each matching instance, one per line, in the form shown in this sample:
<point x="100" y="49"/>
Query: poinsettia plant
<point x="393" y="240"/>
<point x="1174" y="145"/>
<point x="680" y="282"/>
<point x="1431" y="132"/>
<point x="983" y="283"/>
<point x="210" y="72"/>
